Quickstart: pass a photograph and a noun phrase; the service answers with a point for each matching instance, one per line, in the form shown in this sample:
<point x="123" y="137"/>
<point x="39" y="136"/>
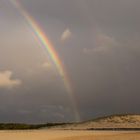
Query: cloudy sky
<point x="98" y="41"/>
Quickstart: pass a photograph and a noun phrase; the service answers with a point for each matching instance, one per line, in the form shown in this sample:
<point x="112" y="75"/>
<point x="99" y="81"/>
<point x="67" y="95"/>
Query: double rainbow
<point x="43" y="39"/>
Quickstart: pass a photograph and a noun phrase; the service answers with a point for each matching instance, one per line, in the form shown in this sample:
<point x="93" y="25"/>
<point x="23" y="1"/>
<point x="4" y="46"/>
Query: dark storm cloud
<point x="68" y="12"/>
<point x="101" y="58"/>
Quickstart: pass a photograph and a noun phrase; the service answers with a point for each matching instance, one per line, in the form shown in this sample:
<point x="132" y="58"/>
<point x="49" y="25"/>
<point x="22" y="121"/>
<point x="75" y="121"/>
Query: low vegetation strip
<point x="16" y="126"/>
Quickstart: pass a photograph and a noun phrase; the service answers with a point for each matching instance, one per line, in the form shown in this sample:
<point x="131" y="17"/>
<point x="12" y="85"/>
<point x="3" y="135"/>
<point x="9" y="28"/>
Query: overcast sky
<point x="97" y="40"/>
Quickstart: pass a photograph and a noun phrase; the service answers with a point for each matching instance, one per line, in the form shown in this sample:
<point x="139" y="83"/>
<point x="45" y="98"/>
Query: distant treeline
<point x="17" y="126"/>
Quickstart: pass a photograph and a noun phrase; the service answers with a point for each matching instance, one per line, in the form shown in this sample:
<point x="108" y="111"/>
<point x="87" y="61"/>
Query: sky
<point x="98" y="41"/>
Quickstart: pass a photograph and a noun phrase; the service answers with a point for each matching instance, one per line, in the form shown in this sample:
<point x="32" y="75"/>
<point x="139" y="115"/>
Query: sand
<point x="68" y="135"/>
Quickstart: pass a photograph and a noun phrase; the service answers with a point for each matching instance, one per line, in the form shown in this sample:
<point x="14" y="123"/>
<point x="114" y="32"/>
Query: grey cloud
<point x="103" y="83"/>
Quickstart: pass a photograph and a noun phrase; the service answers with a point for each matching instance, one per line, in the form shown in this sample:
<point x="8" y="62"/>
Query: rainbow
<point x="45" y="42"/>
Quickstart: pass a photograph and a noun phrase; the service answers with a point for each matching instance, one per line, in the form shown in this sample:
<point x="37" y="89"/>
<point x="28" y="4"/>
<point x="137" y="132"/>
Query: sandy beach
<point x="68" y="135"/>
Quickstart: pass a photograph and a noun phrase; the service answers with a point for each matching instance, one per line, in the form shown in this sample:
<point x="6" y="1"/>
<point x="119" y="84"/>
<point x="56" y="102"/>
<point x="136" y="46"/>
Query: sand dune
<point x="109" y="122"/>
<point x="72" y="131"/>
<point x="68" y="135"/>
